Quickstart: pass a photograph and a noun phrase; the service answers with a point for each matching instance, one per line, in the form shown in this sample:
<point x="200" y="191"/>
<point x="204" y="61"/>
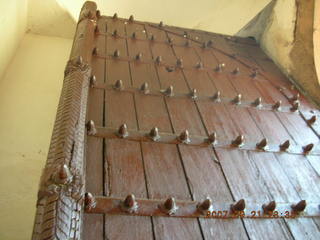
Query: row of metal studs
<point x="185" y="138"/>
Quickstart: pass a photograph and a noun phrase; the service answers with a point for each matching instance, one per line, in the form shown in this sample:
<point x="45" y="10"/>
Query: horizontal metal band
<point x="193" y="209"/>
<point x="193" y="140"/>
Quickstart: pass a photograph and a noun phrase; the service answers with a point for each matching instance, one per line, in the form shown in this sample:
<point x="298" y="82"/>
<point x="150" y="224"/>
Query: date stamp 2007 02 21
<point x="251" y="214"/>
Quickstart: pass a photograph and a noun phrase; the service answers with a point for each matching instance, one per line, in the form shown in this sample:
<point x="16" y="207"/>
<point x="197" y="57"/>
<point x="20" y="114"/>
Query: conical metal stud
<point x="220" y="67"/>
<point x="91" y="128"/>
<point x="285" y="146"/>
<point x="269" y="207"/>
<point x="236" y="71"/>
<point x="134" y="36"/>
<point x="169" y="91"/>
<point x="115" y="33"/>
<point x="263" y="144"/>
<point x="161" y="24"/>
<point x="115" y="16"/>
<point x="239" y="141"/>
<point x="169" y="206"/>
<point x="237" y="99"/>
<point x="199" y="65"/>
<point x="118" y="85"/>
<point x="295" y="97"/>
<point x="95" y="51"/>
<point x="129" y="204"/>
<point x="254" y="73"/>
<point x="193" y="93"/>
<point x="93" y="81"/>
<point x="308" y="148"/>
<point x="116" y="53"/>
<point x="185" y="34"/>
<point x="238" y="206"/>
<point x="216" y="97"/>
<point x="89" y="201"/>
<point x="63" y="176"/>
<point x="139" y="56"/>
<point x="158" y="59"/>
<point x="299" y="207"/>
<point x="123" y="131"/>
<point x="257" y="102"/>
<point x="295" y="106"/>
<point x="154" y="134"/>
<point x="184" y="137"/>
<point x="277" y="105"/>
<point x="212" y="138"/>
<point x="145" y="88"/>
<point x="205" y="206"/>
<point x="131" y="19"/>
<point x="179" y="63"/>
<point x="312" y="120"/>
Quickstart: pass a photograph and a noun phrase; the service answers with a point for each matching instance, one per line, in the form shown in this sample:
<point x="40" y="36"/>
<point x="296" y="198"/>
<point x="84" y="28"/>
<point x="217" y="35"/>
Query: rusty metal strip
<point x="193" y="209"/>
<point x="60" y="197"/>
<point x="194" y="140"/>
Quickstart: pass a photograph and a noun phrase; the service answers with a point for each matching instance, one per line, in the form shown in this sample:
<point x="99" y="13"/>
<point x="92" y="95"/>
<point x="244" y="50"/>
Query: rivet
<point x="220" y="67"/>
<point x="239" y="141"/>
<point x="254" y="73"/>
<point x="212" y="138"/>
<point x="63" y="175"/>
<point x="139" y="56"/>
<point x="79" y="61"/>
<point x="277" y="105"/>
<point x="169" y="91"/>
<point x="93" y="81"/>
<point x="154" y="134"/>
<point x="187" y="43"/>
<point x="161" y="24"/>
<point x="295" y="106"/>
<point x="300" y="206"/>
<point x="312" y="120"/>
<point x="91" y="128"/>
<point x="131" y="18"/>
<point x="118" y="85"/>
<point x="115" y="16"/>
<point x="123" y="131"/>
<point x="295" y="97"/>
<point x="116" y="53"/>
<point x="236" y="71"/>
<point x="96" y="30"/>
<point x="199" y="65"/>
<point x="134" y="35"/>
<point x="169" y="206"/>
<point x="193" y="93"/>
<point x="308" y="148"/>
<point x="98" y="13"/>
<point x="216" y="97"/>
<point x="184" y="137"/>
<point x="237" y="99"/>
<point x="179" y="63"/>
<point x="269" y="207"/>
<point x="152" y="38"/>
<point x="89" y="201"/>
<point x="158" y="59"/>
<point x="95" y="51"/>
<point x="285" y="146"/>
<point x="238" y="206"/>
<point x="129" y="204"/>
<point x="115" y="33"/>
<point x="205" y="206"/>
<point x="257" y="102"/>
<point x="263" y="144"/>
<point x="145" y="88"/>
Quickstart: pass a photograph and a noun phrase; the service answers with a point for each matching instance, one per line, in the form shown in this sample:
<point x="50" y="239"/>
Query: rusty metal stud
<point x="145" y="88"/>
<point x="154" y="134"/>
<point x="95" y="51"/>
<point x="169" y="91"/>
<point x="216" y="97"/>
<point x="93" y="81"/>
<point x="269" y="207"/>
<point x="169" y="206"/>
<point x="118" y="85"/>
<point x="123" y="131"/>
<point x="205" y="206"/>
<point x="98" y="14"/>
<point x="89" y="201"/>
<point x="236" y="71"/>
<point x="161" y="24"/>
<point x="115" y="33"/>
<point x="179" y="63"/>
<point x="199" y="65"/>
<point x="134" y="35"/>
<point x="277" y="105"/>
<point x="129" y="204"/>
<point x="308" y="148"/>
<point x="185" y="34"/>
<point x="131" y="19"/>
<point x="91" y="128"/>
<point x="300" y="206"/>
<point x="254" y="73"/>
<point x="295" y="106"/>
<point x="158" y="59"/>
<point x="312" y="120"/>
<point x="193" y="93"/>
<point x="220" y="67"/>
<point x="63" y="176"/>
<point x="285" y="146"/>
<point x="295" y="97"/>
<point x="139" y="56"/>
<point x="238" y="206"/>
<point x="96" y="30"/>
<point x="239" y="141"/>
<point x="212" y="138"/>
<point x="263" y="144"/>
<point x="237" y="99"/>
<point x="116" y="53"/>
<point x="257" y="102"/>
<point x="115" y="16"/>
<point x="184" y="137"/>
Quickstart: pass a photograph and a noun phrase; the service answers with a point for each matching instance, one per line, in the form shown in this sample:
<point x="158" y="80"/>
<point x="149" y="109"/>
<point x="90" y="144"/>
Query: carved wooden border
<point x="60" y="197"/>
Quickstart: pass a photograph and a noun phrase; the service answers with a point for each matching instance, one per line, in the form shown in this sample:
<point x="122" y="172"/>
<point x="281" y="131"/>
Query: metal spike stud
<point x="299" y="207"/>
<point x="154" y="134"/>
<point x="184" y="137"/>
<point x="269" y="207"/>
<point x="285" y="146"/>
<point x="239" y="141"/>
<point x="139" y="56"/>
<point x="308" y="148"/>
<point x="199" y="65"/>
<point x="89" y="201"/>
<point x="115" y="16"/>
<point x="193" y="93"/>
<point x="237" y="99"/>
<point x="263" y="144"/>
<point x="123" y="131"/>
<point x="63" y="176"/>
<point x="169" y="206"/>
<point x="98" y="14"/>
<point x="212" y="138"/>
<point x="161" y="24"/>
<point x="277" y="105"/>
<point x="116" y="53"/>
<point x="95" y="51"/>
<point x="236" y="71"/>
<point x="169" y="91"/>
<point x="131" y="18"/>
<point x="118" y="85"/>
<point x="158" y="59"/>
<point x="91" y="128"/>
<point x="257" y="102"/>
<point x="295" y="97"/>
<point x="115" y="33"/>
<point x="145" y="88"/>
<point x="220" y="67"/>
<point x="216" y="97"/>
<point x="312" y="120"/>
<point x="179" y="63"/>
<point x="238" y="206"/>
<point x="134" y="35"/>
<point x="205" y="206"/>
<point x="93" y="81"/>
<point x="295" y="106"/>
<point x="129" y="204"/>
